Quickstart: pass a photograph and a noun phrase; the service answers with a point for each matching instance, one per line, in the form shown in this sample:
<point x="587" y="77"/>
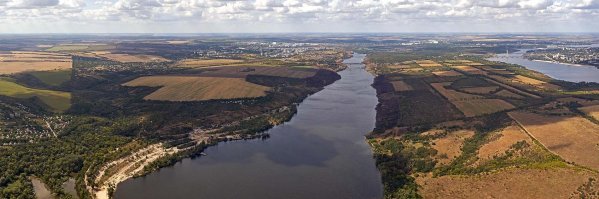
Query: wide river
<point x="573" y="73"/>
<point x="320" y="153"/>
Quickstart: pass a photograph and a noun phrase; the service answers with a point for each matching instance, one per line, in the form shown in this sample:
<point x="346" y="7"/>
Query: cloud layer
<point x="299" y="16"/>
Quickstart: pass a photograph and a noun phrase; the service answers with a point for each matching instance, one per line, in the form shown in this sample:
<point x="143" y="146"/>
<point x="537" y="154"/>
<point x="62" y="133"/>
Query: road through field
<point x="320" y="153"/>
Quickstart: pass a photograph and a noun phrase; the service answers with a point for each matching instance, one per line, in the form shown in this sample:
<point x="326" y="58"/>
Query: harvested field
<point x="197" y="63"/>
<point x="447" y="73"/>
<point x="510" y="88"/>
<point x="450" y="145"/>
<point x="592" y="111"/>
<point x="481" y="90"/>
<point x="188" y="88"/>
<point x="536" y="83"/>
<point x="511" y="183"/>
<point x="239" y="71"/>
<point x="401" y="86"/>
<point x="399" y="66"/>
<point x="508" y="94"/>
<point x="128" y="58"/>
<point x="427" y="63"/>
<point x="478" y="107"/>
<point x="453" y="95"/>
<point x="573" y="138"/>
<point x="583" y="102"/>
<point x="506" y="138"/>
<point x="57" y="100"/>
<point x="470" y="70"/>
<point x="21" y="61"/>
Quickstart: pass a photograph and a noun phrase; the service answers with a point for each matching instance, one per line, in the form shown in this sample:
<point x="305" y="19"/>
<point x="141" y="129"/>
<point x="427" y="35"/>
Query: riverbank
<point x="324" y="140"/>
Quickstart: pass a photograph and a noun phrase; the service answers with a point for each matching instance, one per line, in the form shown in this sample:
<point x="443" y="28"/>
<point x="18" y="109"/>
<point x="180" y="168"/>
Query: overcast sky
<point x="200" y="16"/>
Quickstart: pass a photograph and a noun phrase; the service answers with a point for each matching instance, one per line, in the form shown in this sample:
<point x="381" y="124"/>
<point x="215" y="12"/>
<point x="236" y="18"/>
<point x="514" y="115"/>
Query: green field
<point x="57" y="100"/>
<point x="53" y="78"/>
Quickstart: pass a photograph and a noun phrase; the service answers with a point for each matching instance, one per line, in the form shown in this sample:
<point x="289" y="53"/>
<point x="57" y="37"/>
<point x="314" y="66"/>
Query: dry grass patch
<point x="187" y="88"/>
<point x="478" y="107"/>
<point x="536" y="83"/>
<point x="470" y="70"/>
<point x="447" y="73"/>
<point x="450" y="146"/>
<point x="503" y="141"/>
<point x="573" y="138"/>
<point x="21" y="61"/>
<point x="512" y="183"/>
<point x="481" y="90"/>
<point x="197" y="63"/>
<point x="453" y="95"/>
<point x="592" y="111"/>
<point x="401" y="86"/>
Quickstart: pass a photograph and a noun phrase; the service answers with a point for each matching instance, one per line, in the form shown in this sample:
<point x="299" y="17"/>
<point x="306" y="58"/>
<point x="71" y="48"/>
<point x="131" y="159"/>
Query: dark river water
<point x="573" y="73"/>
<point x="320" y="153"/>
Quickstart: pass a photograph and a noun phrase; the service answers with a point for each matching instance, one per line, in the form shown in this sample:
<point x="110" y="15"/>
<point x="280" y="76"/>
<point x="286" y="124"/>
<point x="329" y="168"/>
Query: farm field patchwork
<point x="57" y="100"/>
<point x="478" y="107"/>
<point x="189" y="88"/>
<point x="21" y="61"/>
<point x="573" y="138"/>
<point x="470" y="70"/>
<point x="128" y="58"/>
<point x="453" y="95"/>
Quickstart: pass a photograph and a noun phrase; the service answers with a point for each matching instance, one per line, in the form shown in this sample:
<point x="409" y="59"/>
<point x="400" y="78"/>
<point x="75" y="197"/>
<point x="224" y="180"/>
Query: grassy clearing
<point x="53" y="78"/>
<point x="187" y="88"/>
<point x="58" y="101"/>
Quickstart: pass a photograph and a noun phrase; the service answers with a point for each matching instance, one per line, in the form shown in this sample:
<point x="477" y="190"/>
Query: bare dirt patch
<point x="508" y="94"/>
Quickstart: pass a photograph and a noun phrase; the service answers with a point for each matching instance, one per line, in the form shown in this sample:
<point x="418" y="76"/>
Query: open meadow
<point x="57" y="100"/>
<point x="189" y="88"/>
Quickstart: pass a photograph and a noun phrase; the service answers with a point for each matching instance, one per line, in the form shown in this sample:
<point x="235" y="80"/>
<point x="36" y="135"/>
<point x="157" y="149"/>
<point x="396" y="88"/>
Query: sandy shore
<point x="117" y="171"/>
